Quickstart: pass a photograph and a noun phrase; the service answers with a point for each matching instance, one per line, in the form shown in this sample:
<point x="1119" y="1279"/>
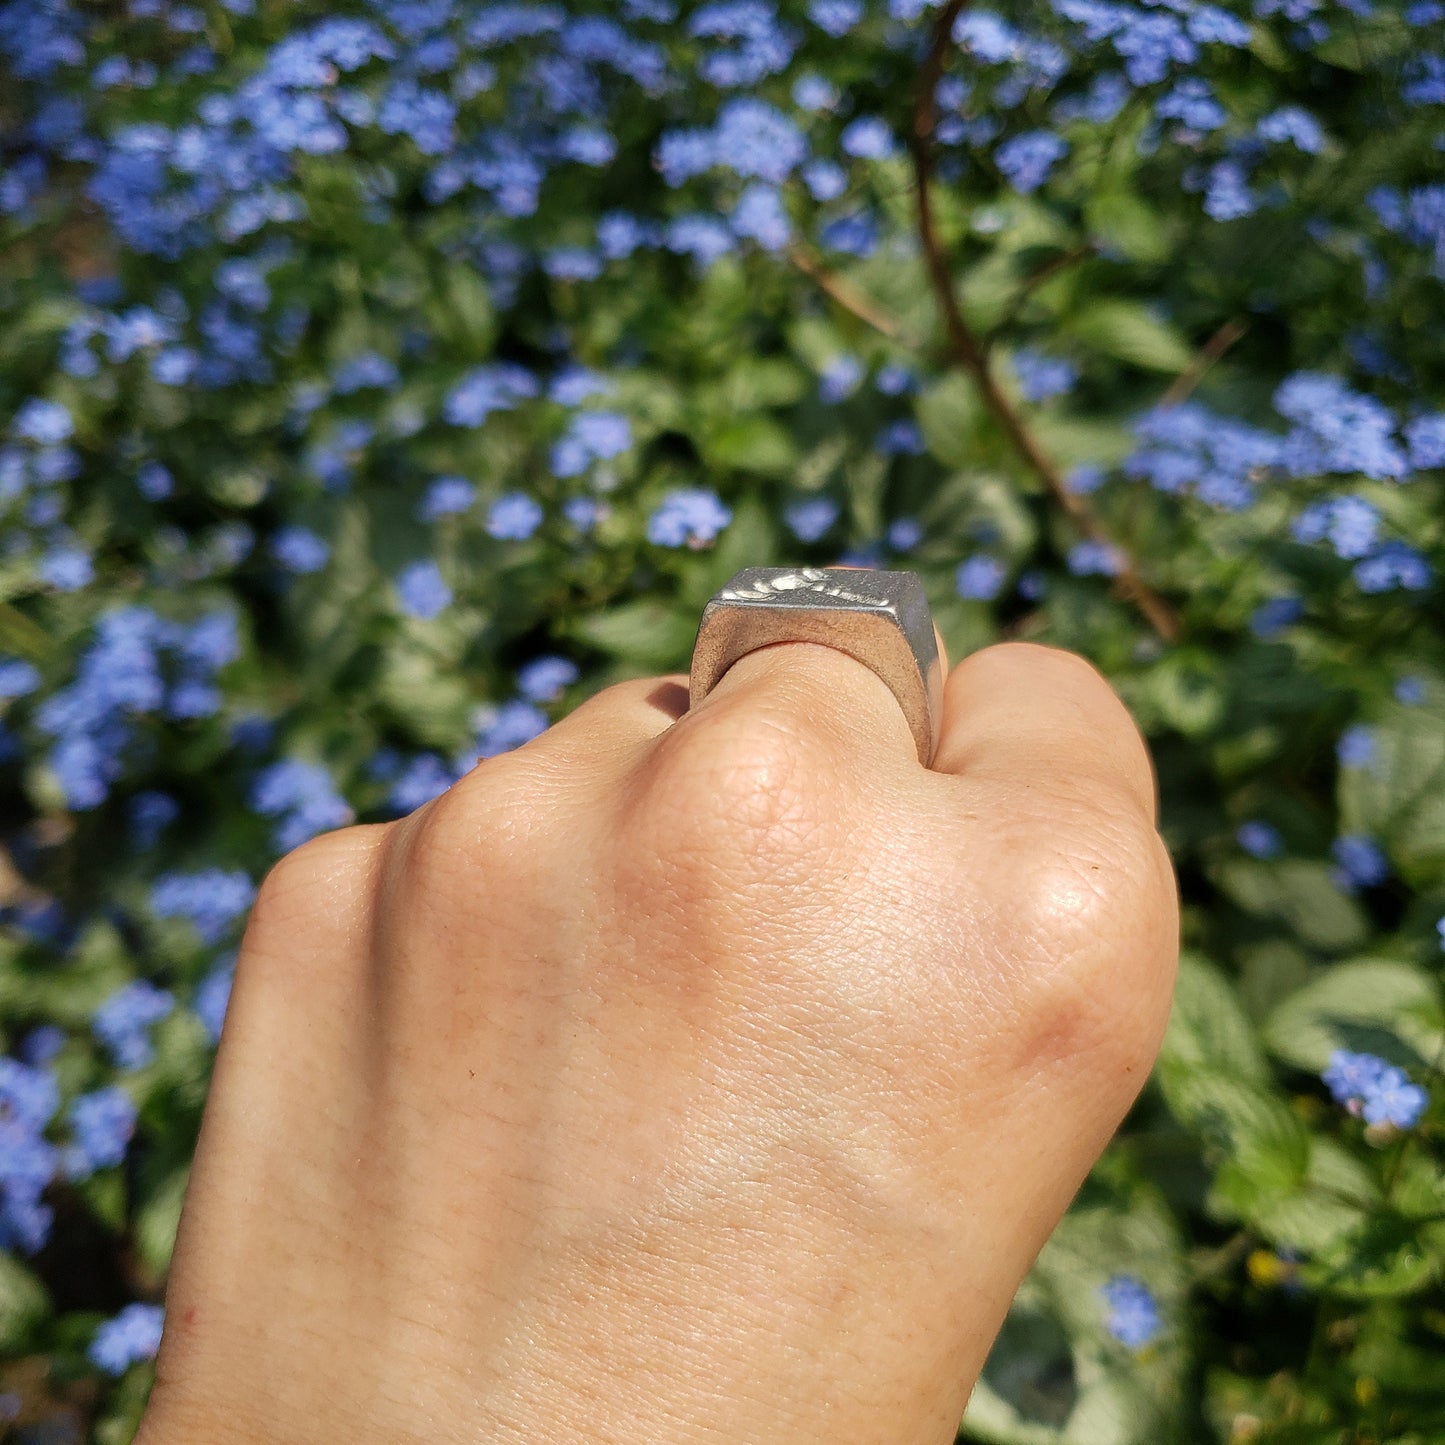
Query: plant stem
<point x="1223" y="1259"/>
<point x="1031" y="284"/>
<point x="971" y="354"/>
<point x="849" y="298"/>
<point x="1184" y="384"/>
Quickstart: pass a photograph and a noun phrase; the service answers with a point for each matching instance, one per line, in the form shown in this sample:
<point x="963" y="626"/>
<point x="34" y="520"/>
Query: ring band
<point x="881" y="619"/>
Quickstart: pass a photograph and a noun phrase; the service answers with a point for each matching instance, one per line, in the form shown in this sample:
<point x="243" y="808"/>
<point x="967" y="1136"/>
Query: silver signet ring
<point x="880" y="618"/>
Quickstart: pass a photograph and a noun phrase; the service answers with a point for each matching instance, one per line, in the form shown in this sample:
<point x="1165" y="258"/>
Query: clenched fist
<point x="682" y="1076"/>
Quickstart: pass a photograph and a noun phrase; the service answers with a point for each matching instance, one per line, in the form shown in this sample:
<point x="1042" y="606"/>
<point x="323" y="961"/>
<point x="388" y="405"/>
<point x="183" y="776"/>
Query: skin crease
<point x="677" y="1077"/>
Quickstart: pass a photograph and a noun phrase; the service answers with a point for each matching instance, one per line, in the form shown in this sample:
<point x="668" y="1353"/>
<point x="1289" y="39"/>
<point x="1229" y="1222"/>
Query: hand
<point x="677" y="1077"/>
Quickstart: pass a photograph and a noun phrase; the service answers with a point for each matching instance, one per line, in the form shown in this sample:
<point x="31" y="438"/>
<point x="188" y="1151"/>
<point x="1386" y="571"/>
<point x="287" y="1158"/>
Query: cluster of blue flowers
<point x="303" y="799"/>
<point x="1360" y="862"/>
<point x="1041" y="377"/>
<point x="1417" y="215"/>
<point x="497" y="729"/>
<point x="99" y="1126"/>
<point x="1336" y="432"/>
<point x="102" y="1124"/>
<point x="138" y="664"/>
<point x="235" y="174"/>
<point x="211" y="900"/>
<point x="690" y="516"/>
<point x="1259" y="839"/>
<point x="1374" y="1089"/>
<point x="29" y="1099"/>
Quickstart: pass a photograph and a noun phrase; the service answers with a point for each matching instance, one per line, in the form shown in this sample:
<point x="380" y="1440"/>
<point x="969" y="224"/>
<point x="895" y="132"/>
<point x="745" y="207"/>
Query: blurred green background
<point x="380" y="380"/>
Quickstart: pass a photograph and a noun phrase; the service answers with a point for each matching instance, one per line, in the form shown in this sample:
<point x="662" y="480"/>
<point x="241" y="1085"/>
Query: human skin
<point x="681" y="1076"/>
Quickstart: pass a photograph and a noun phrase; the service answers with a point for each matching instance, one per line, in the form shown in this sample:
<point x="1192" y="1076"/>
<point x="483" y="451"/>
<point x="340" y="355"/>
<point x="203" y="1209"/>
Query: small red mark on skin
<point x="190" y="1316"/>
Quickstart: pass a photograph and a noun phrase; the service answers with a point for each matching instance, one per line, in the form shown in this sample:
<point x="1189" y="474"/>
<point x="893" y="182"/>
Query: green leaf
<point x="22" y="1304"/>
<point x="1419" y="1188"/>
<point x="157" y="1221"/>
<point x="1208" y="1028"/>
<point x="1373" y="1005"/>
<point x="1188" y="688"/>
<point x="1400" y="797"/>
<point x="105" y="1196"/>
<point x="1124" y="223"/>
<point x="1073" y="439"/>
<point x="1262" y="1149"/>
<point x="1397" y="1344"/>
<point x="1270" y="971"/>
<point x="237" y="485"/>
<point x="815" y="341"/>
<point x="1367" y="43"/>
<point x="1266" y="49"/>
<point x="651" y="399"/>
<point x="1336" y="1197"/>
<point x="647" y="634"/>
<point x="1055" y="1376"/>
<point x="975" y="501"/>
<point x="433" y="704"/>
<point x="21" y="635"/>
<point x="988" y="288"/>
<point x="950" y="414"/>
<point x="1129" y="331"/>
<point x="462" y="314"/>
<point x="1300" y="893"/>
<point x="755" y="443"/>
<point x="759" y="383"/>
<point x="1022" y="223"/>
<point x="1383" y="1257"/>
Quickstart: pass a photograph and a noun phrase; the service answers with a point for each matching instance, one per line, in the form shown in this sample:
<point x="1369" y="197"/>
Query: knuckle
<point x="737" y="795"/>
<point x="1087" y="882"/>
<point x="484" y="824"/>
<point x="666" y="693"/>
<point x="319" y="889"/>
<point x="1100" y="912"/>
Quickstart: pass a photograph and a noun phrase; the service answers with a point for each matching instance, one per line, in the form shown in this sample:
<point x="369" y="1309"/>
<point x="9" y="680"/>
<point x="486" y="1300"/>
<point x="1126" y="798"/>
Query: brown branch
<point x="1031" y="284"/>
<point x="1184" y="384"/>
<point x="971" y="354"/>
<point x="847" y="296"/>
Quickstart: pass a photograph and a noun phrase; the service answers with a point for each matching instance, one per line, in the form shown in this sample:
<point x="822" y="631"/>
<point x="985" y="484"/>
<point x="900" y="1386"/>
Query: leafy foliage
<point x="360" y="360"/>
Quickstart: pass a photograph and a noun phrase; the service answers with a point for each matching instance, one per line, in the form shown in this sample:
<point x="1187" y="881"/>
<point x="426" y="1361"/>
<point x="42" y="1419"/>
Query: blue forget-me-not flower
<point x="133" y="1335"/>
<point x="688" y="517"/>
<point x="1133" y="1313"/>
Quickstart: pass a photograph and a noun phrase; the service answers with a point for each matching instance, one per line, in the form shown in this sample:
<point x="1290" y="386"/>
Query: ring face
<point x="879" y="618"/>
